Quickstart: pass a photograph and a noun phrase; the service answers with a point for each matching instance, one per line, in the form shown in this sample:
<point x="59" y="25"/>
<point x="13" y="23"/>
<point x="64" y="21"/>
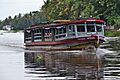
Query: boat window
<point x="80" y="28"/>
<point x="28" y="33"/>
<point x="37" y="35"/>
<point x="100" y="23"/>
<point x="90" y="28"/>
<point x="27" y="36"/>
<point x="71" y="28"/>
<point x="37" y="31"/>
<point x="57" y="30"/>
<point x="90" y="22"/>
<point x="71" y="31"/>
<point x="99" y="28"/>
<point x="48" y="34"/>
<point x="60" y="32"/>
<point x="64" y="30"/>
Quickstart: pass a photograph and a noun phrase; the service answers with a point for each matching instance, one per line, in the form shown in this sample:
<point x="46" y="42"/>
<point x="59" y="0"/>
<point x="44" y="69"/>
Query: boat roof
<point x="61" y="21"/>
<point x="89" y="20"/>
<point x="64" y="22"/>
<point x="45" y="25"/>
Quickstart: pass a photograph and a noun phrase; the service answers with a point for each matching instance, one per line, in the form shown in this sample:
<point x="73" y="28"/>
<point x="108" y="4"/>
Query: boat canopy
<point x="65" y="29"/>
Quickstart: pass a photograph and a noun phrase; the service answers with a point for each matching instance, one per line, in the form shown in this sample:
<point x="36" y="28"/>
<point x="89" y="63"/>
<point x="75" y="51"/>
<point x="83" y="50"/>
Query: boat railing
<point x="28" y="38"/>
<point x="81" y="34"/>
<point x="37" y="40"/>
<point x="36" y="37"/>
<point x="98" y="25"/>
<point x="90" y="33"/>
<point x="71" y="35"/>
<point x="37" y="33"/>
<point x="28" y="41"/>
<point x="47" y="36"/>
<point x="60" y="36"/>
<point x="48" y="39"/>
<point x="100" y="33"/>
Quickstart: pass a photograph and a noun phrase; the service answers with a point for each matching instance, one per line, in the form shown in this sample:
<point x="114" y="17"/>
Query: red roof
<point x="71" y="22"/>
<point x="89" y="20"/>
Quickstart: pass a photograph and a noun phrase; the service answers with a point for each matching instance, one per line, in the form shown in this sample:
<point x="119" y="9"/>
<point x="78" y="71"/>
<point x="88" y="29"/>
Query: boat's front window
<point x="90" y="28"/>
<point x="99" y="28"/>
<point x="80" y="28"/>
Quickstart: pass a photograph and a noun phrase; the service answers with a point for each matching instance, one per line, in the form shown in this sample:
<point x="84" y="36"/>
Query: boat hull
<point x="67" y="44"/>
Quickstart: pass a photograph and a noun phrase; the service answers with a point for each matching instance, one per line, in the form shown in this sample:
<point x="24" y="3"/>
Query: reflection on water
<point x="112" y="60"/>
<point x="17" y="64"/>
<point x="64" y="65"/>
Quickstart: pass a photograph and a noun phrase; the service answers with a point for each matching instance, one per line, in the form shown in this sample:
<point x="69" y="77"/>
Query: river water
<point x="19" y="64"/>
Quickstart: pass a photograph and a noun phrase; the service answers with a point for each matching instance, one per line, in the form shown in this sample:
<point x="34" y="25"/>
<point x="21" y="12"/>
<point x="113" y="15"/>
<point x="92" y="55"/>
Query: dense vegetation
<point x="20" y="22"/>
<point x="108" y="10"/>
<point x="72" y="9"/>
<point x="112" y="33"/>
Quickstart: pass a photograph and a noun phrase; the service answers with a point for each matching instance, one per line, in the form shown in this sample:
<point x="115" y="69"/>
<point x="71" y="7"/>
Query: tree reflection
<point x="75" y="65"/>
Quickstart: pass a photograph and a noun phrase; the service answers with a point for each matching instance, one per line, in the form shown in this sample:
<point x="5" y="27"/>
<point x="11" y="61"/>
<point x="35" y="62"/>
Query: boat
<point x="65" y="34"/>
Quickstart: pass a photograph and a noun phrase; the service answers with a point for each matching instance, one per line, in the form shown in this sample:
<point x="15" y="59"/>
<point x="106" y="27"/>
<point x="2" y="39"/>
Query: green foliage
<point x="20" y="22"/>
<point x="72" y="9"/>
<point x="109" y="10"/>
<point x="112" y="33"/>
<point x="68" y="9"/>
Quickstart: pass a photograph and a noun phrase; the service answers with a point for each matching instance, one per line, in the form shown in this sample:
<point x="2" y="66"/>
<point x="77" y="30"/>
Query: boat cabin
<point x="56" y="31"/>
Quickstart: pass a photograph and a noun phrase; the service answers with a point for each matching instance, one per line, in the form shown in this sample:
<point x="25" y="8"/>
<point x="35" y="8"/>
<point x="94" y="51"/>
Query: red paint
<point x="88" y="20"/>
<point x="67" y="41"/>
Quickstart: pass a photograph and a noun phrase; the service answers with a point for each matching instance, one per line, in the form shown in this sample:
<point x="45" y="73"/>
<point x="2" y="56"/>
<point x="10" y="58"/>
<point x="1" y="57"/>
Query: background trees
<point x="19" y="22"/>
<point x="72" y="9"/>
<point x="68" y="9"/>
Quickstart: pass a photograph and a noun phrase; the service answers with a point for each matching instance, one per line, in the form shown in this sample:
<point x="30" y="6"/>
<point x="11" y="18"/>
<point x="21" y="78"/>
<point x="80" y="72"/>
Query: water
<point x="112" y="60"/>
<point x="19" y="64"/>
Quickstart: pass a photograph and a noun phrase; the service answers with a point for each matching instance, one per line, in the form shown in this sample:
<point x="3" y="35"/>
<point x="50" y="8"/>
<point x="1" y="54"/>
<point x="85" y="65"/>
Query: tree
<point x="72" y="9"/>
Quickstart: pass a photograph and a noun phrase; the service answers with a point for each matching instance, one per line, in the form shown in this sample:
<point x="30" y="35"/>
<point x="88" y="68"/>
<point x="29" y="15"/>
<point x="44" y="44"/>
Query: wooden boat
<point x="65" y="34"/>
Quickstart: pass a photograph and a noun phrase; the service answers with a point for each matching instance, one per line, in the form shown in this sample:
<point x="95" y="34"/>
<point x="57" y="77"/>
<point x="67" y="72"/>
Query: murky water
<point x="112" y="60"/>
<point x="19" y="64"/>
<point x="64" y="65"/>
